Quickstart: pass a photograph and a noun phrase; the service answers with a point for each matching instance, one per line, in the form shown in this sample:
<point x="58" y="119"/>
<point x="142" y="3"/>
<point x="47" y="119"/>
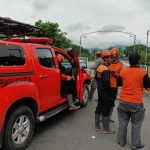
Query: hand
<point x="113" y="73"/>
<point x="71" y="78"/>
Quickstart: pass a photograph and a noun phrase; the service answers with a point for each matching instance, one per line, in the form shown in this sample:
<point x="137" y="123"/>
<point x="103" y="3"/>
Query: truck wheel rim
<point x="85" y="96"/>
<point x="21" y="129"/>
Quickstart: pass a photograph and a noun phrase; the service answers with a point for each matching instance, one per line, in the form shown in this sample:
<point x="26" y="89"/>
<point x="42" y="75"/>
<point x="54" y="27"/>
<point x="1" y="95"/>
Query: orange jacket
<point x="103" y="79"/>
<point x="133" y="80"/>
<point x="64" y="73"/>
<point x="115" y="69"/>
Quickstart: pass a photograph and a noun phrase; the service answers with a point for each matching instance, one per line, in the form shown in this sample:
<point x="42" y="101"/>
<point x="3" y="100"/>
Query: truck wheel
<point x="85" y="96"/>
<point x="19" y="129"/>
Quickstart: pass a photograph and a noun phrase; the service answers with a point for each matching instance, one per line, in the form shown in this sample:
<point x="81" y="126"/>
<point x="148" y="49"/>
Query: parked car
<point x="84" y="64"/>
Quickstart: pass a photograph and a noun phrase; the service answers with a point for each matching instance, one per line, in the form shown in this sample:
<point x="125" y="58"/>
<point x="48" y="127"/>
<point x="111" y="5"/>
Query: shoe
<point x="91" y="100"/>
<point x="97" y="124"/>
<point x="98" y="129"/>
<point x="141" y="147"/>
<point x="121" y="144"/>
<point x="76" y="101"/>
<point x="109" y="131"/>
<point x="110" y="115"/>
<point x="74" y="107"/>
<point x="111" y="120"/>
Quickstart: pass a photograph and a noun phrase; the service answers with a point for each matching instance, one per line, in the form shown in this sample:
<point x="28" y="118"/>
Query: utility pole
<point x="139" y="48"/>
<point x="146" y="48"/>
<point x="80" y="49"/>
<point x="80" y="46"/>
<point x="134" y="42"/>
<point x="134" y="38"/>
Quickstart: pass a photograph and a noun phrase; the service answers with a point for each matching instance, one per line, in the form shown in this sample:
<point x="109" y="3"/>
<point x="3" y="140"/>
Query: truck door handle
<point x="43" y="76"/>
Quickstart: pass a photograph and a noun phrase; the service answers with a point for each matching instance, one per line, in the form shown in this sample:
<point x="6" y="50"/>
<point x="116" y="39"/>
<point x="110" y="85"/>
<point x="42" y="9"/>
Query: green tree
<point x="52" y="30"/>
<point x="142" y="51"/>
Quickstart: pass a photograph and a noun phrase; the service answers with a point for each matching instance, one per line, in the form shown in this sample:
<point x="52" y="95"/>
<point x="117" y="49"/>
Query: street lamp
<point x="130" y="34"/>
<point x="134" y="37"/>
<point x="146" y="48"/>
<point x="81" y="36"/>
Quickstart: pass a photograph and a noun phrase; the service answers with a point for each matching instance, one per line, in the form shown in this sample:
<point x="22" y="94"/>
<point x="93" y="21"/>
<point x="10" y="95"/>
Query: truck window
<point x="45" y="57"/>
<point x="66" y="63"/>
<point x="11" y="55"/>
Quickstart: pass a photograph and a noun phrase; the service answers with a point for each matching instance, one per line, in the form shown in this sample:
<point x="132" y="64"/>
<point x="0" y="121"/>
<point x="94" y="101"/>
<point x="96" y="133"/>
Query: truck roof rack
<point x="11" y="28"/>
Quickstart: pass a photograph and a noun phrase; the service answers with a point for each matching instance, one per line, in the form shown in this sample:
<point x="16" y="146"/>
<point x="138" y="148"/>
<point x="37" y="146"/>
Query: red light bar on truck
<point x="32" y="40"/>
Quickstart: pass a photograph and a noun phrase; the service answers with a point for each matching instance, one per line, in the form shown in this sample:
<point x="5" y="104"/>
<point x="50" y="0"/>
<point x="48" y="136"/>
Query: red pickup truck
<point x="30" y="87"/>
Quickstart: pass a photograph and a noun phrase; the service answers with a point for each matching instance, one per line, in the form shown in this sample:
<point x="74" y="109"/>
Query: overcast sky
<point x="77" y="17"/>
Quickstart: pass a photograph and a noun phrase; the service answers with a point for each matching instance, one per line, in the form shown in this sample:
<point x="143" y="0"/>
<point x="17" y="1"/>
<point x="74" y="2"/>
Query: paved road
<point x="74" y="131"/>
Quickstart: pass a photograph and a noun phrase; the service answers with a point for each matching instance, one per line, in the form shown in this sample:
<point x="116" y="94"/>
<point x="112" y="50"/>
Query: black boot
<point x="92" y="90"/>
<point x="91" y="94"/>
<point x="72" y="106"/>
<point x="97" y="120"/>
<point x="106" y="129"/>
<point x="110" y="115"/>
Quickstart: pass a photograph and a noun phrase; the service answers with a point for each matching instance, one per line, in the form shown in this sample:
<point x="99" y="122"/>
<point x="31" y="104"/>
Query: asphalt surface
<point x="75" y="131"/>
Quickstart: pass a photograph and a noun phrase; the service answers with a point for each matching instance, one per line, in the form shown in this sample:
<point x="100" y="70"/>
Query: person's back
<point x="132" y="84"/>
<point x="131" y="107"/>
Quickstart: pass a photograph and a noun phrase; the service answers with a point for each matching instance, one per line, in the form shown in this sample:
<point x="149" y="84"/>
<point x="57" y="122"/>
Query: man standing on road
<point x="115" y="67"/>
<point x="98" y="62"/>
<point x="104" y="97"/>
<point x="132" y="80"/>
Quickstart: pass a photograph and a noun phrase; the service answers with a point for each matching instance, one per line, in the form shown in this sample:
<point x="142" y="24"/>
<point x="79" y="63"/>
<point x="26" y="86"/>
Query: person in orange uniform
<point x="66" y="83"/>
<point x="104" y="101"/>
<point x="115" y="67"/>
<point x="132" y="80"/>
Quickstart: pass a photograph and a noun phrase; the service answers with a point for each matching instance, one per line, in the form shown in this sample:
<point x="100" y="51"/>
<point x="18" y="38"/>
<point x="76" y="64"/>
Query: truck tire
<point x="19" y="129"/>
<point x="85" y="96"/>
